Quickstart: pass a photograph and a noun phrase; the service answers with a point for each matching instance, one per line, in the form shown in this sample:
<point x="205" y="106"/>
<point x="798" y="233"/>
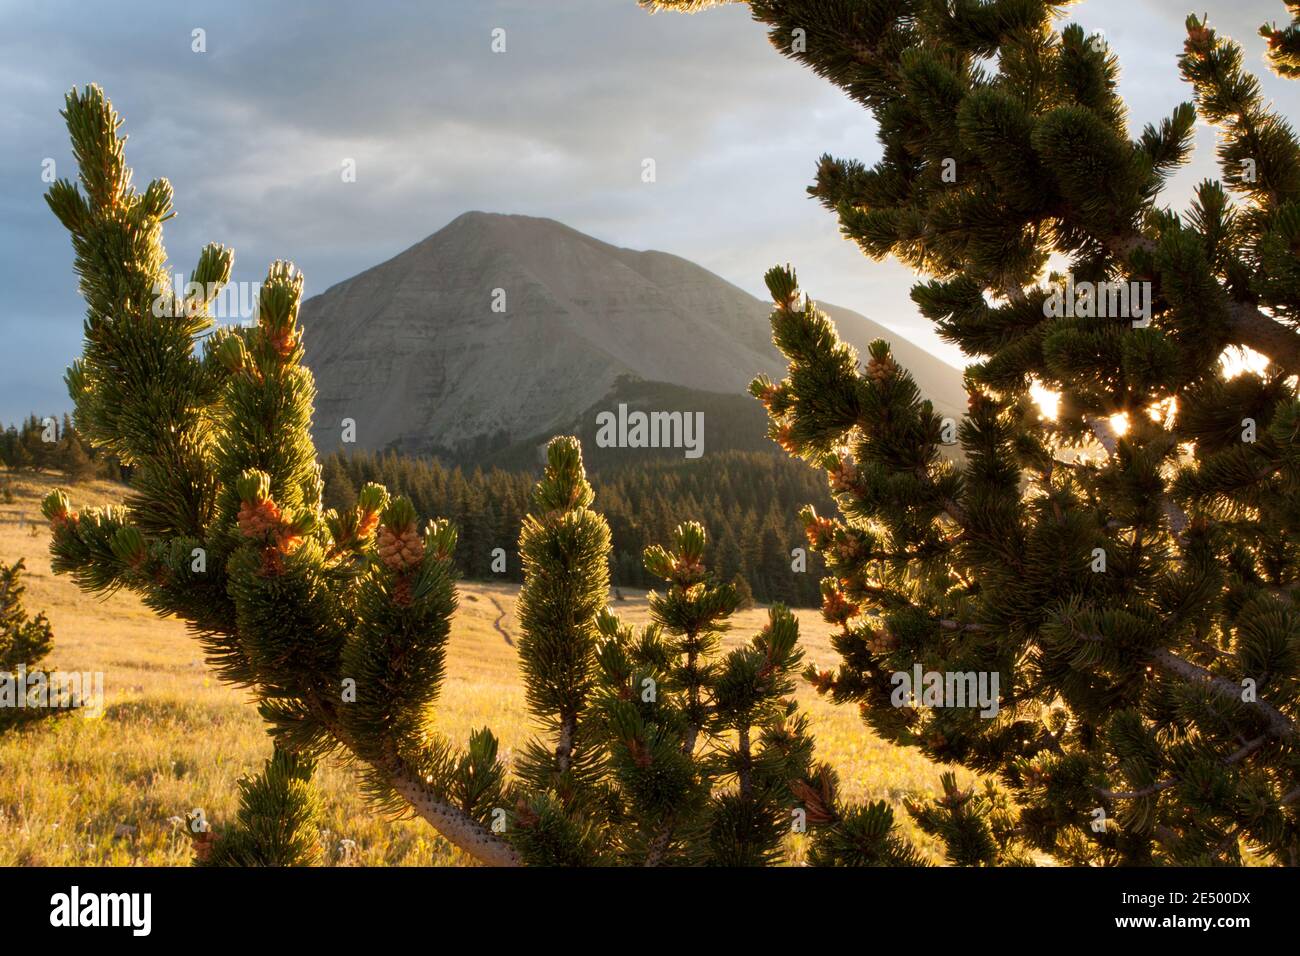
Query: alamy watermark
<point x="230" y="300"/>
<point x="133" y="911"/>
<point x="53" y="690"/>
<point x="1100" y="300"/>
<point x="638" y="429"/>
<point x="947" y="689"/>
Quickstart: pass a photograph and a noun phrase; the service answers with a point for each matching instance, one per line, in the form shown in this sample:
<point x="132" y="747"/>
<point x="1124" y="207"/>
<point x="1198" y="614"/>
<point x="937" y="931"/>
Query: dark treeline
<point x="747" y="501"/>
<point x="54" y="444"/>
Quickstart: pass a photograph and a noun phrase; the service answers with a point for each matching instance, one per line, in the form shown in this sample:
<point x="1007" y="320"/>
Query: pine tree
<point x="653" y="746"/>
<point x="24" y="640"/>
<point x="338" y="491"/>
<point x="744" y="593"/>
<point x="279" y="820"/>
<point x="71" y="456"/>
<point x="9" y="447"/>
<point x="1128" y="566"/>
<point x="1284" y="43"/>
<point x="24" y="643"/>
<point x="33" y="451"/>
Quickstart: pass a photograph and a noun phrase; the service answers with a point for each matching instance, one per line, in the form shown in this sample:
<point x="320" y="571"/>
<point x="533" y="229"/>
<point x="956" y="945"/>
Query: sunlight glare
<point x="1242" y="358"/>
<point x="1049" y="402"/>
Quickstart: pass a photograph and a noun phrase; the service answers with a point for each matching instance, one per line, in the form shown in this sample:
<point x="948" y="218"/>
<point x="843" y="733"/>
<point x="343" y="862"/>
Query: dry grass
<point x="108" y="791"/>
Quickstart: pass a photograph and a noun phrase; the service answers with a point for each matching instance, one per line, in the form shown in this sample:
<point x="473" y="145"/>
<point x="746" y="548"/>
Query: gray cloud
<point x="253" y="134"/>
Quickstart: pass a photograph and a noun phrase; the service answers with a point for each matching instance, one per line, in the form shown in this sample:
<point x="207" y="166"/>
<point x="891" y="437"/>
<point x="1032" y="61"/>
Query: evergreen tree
<point x="24" y="642"/>
<point x="72" y="457"/>
<point x="338" y="491"/>
<point x="33" y="451"/>
<point x="1284" y="43"/>
<point x="653" y="746"/>
<point x="1128" y="566"/>
<point x="9" y="447"/>
<point x="279" y="820"/>
<point x="744" y="593"/>
<point x="730" y="493"/>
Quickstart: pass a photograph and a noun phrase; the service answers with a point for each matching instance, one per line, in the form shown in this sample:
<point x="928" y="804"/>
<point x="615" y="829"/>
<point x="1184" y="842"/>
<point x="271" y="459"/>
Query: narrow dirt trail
<point x="501" y="616"/>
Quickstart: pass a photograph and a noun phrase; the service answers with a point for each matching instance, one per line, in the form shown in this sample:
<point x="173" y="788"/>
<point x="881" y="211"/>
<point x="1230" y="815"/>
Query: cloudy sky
<point x="253" y="134"/>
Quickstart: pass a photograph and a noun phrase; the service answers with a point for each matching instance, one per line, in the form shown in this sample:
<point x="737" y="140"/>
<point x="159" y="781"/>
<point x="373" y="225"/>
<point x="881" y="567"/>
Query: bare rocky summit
<point x="413" y="352"/>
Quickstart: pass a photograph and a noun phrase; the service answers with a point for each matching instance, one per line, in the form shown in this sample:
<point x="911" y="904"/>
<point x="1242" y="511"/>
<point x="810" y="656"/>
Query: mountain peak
<point x="498" y="327"/>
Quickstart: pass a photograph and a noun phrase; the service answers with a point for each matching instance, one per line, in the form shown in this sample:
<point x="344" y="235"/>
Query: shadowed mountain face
<point x="498" y="329"/>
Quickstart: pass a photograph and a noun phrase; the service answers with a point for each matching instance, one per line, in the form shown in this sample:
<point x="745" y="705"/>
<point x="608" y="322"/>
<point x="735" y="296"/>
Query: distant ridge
<point x="413" y="352"/>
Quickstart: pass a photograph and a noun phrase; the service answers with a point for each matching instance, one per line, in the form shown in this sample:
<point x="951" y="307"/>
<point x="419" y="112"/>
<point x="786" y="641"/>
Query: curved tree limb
<point x="455" y="825"/>
<point x="1279" y="724"/>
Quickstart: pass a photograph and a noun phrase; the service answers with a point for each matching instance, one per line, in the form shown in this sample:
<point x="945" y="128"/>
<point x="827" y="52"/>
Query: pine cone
<point x="400" y="550"/>
<point x="882" y="641"/>
<point x="814" y="802"/>
<point x="272" y="565"/>
<point x="203" y="844"/>
<point x="1200" y="41"/>
<point x="524" y="815"/>
<point x="257" y="519"/>
<point x="822" y="681"/>
<point x="882" y="370"/>
<point x="843" y="476"/>
<point x="369" y="521"/>
<point x="687" y="572"/>
<point x="283" y="341"/>
<point x="820" y="532"/>
<point x="847" y="551"/>
<point x="836" y="609"/>
<point x="287" y="539"/>
<point x="639" y="752"/>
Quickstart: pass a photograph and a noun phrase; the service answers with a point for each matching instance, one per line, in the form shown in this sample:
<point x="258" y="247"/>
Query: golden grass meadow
<point x="113" y="790"/>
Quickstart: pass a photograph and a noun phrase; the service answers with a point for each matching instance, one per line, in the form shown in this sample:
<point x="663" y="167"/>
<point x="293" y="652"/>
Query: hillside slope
<point x="112" y="791"/>
<point x="413" y="352"/>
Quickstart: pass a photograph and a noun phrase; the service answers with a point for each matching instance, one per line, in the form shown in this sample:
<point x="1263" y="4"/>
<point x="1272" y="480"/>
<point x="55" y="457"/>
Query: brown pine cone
<point x="639" y="752"/>
<point x="882" y="641"/>
<point x="822" y="681"/>
<point x="882" y="370"/>
<point x="813" y="800"/>
<point x="400" y="551"/>
<point x="203" y="844"/>
<point x="524" y="815"/>
<point x="272" y="563"/>
<point x="820" y="532"/>
<point x="836" y="609"/>
<point x="843" y="476"/>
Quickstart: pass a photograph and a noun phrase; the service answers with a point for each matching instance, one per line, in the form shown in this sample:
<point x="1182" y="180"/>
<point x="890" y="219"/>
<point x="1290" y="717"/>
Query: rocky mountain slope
<point x="497" y="329"/>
